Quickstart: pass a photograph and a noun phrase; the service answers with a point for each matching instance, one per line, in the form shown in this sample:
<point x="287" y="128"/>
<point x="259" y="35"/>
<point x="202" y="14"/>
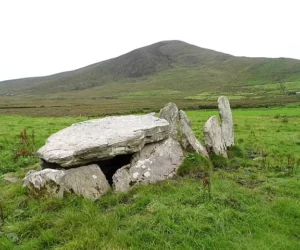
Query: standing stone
<point x="188" y="139"/>
<point x="227" y="121"/>
<point x="155" y="162"/>
<point x="93" y="140"/>
<point x="87" y="181"/>
<point x="170" y="113"/>
<point x="183" y="116"/>
<point x="213" y="137"/>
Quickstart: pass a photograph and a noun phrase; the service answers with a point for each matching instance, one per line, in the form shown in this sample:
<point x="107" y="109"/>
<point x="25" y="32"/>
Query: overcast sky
<point x="42" y="37"/>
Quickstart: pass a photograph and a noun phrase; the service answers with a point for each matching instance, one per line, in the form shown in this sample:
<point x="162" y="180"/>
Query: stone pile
<point x="119" y="152"/>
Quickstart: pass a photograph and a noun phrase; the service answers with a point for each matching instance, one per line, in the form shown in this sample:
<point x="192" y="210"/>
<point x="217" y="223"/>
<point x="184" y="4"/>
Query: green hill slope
<point x="169" y="70"/>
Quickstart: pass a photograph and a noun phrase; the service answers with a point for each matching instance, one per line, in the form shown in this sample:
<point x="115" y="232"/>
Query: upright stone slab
<point x="87" y="181"/>
<point x="170" y="113"/>
<point x="227" y="121"/>
<point x="213" y="137"/>
<point x="94" y="140"/>
<point x="155" y="162"/>
<point x="188" y="139"/>
<point x="185" y="118"/>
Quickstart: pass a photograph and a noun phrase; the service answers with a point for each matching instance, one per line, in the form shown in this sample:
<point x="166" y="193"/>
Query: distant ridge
<point x="167" y="70"/>
<point x="140" y="62"/>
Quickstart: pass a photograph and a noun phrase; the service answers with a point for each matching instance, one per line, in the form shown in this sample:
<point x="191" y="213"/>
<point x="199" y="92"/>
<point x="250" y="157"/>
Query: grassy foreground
<point x="252" y="204"/>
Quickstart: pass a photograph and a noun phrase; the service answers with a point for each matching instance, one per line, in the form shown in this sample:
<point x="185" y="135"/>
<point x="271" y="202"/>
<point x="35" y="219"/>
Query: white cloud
<point x="46" y="37"/>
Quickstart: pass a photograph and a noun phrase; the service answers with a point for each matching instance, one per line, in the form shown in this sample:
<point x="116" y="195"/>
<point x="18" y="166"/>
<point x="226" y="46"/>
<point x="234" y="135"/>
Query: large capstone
<point x="213" y="137"/>
<point x="93" y="140"/>
<point x="87" y="181"/>
<point x="170" y="113"/>
<point x="188" y="139"/>
<point x="155" y="162"/>
<point x="227" y="121"/>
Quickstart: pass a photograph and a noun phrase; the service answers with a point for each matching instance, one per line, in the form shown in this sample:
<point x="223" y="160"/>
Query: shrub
<point x="237" y="162"/>
<point x="240" y="140"/>
<point x="26" y="145"/>
<point x="195" y="165"/>
<point x="285" y="120"/>
<point x="236" y="151"/>
<point x="219" y="161"/>
<point x="2" y="218"/>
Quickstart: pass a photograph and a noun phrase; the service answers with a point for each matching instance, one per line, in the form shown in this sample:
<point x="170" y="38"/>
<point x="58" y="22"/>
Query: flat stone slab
<point x="98" y="139"/>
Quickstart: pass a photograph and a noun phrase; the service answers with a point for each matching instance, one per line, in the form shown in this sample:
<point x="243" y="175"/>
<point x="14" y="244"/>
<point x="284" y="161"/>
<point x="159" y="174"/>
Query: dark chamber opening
<point x="45" y="164"/>
<point x="110" y="166"/>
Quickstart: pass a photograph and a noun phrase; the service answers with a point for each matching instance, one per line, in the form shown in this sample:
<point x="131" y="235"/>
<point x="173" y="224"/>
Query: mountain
<point x="168" y="70"/>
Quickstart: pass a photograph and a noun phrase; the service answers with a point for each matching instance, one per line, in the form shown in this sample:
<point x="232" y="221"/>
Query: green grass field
<point x="253" y="204"/>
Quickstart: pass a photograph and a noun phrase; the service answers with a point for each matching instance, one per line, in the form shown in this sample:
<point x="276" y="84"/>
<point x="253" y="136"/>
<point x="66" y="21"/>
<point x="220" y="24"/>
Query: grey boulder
<point x="213" y="137"/>
<point x="170" y="113"/>
<point x="227" y="121"/>
<point x="188" y="139"/>
<point x="155" y="162"/>
<point x="121" y="179"/>
<point x="87" y="181"/>
<point x="104" y="138"/>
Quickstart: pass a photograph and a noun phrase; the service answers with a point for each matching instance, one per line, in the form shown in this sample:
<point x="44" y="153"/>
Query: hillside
<point x="168" y="70"/>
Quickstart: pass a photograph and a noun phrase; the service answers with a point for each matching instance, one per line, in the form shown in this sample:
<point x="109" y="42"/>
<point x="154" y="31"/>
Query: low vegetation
<point x="251" y="203"/>
<point x="219" y="161"/>
<point x="196" y="166"/>
<point x="236" y="152"/>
